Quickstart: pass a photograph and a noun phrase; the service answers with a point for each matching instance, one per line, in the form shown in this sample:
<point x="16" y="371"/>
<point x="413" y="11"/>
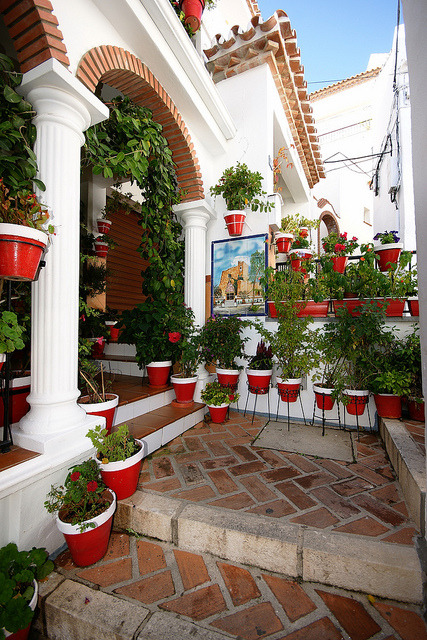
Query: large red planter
<point x="283" y="242"/>
<point x="324" y="399"/>
<point x="289" y="388"/>
<point x="103" y="226"/>
<point x="235" y="221"/>
<point x="122" y="476"/>
<point x="313" y="309"/>
<point x="388" y="405"/>
<point x="259" y="381"/>
<point x="339" y="263"/>
<point x="227" y="377"/>
<point x="218" y="413"/>
<point x="19" y="389"/>
<point x="193" y="10"/>
<point x="184" y="388"/>
<point x="105" y="410"/>
<point x="358" y="401"/>
<point x="416" y="410"/>
<point x="90" y="546"/>
<point x="394" y="308"/>
<point x="414" y="306"/>
<point x="387" y="254"/>
<point x="21" y="249"/>
<point x="158" y="373"/>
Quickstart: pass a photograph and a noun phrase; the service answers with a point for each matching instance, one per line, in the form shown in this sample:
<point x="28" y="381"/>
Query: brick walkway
<point x="417" y="432"/>
<point x="216" y="465"/>
<point x="246" y="603"/>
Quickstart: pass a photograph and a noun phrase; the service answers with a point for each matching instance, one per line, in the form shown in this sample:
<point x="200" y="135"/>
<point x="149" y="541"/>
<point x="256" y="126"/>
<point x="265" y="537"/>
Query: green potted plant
<point x="222" y="343"/>
<point x="412" y="354"/>
<point x="218" y="399"/>
<point x="11" y="334"/>
<point x="291" y="225"/>
<point x="117" y="202"/>
<point x="19" y="572"/>
<point x="119" y="457"/>
<point x="388" y="250"/>
<point x="185" y="379"/>
<point x="300" y="254"/>
<point x="84" y="509"/>
<point x="260" y="369"/>
<point x="327" y="379"/>
<point x="240" y="189"/>
<point x="97" y="398"/>
<point x="112" y="318"/>
<point x="337" y="248"/>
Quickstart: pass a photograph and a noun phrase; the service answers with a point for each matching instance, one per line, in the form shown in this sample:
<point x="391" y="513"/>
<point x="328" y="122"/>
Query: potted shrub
<point x="19" y="572"/>
<point x="300" y="253"/>
<point x="260" y="369"/>
<point x="240" y="189"/>
<point x="84" y="509"/>
<point x="291" y="226"/>
<point x="327" y="378"/>
<point x="412" y="360"/>
<point x="222" y="344"/>
<point x="337" y="248"/>
<point x="98" y="400"/>
<point x="23" y="234"/>
<point x="388" y="251"/>
<point x="119" y="458"/>
<point x="112" y="323"/>
<point x="388" y="387"/>
<point x="185" y="379"/>
<point x="218" y="399"/>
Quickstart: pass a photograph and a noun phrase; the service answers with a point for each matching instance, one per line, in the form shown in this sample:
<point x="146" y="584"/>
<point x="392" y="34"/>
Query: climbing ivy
<point x="130" y="145"/>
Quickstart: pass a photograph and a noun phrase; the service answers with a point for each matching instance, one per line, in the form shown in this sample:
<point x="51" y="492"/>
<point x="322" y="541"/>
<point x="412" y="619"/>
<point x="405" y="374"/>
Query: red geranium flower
<point x="92" y="485"/>
<point x="75" y="476"/>
<point x="174" y="336"/>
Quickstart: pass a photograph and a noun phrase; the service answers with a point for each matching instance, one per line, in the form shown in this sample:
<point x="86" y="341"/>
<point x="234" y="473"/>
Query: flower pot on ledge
<point x="235" y="220"/>
<point x="21" y="249"/>
<point x="339" y="263"/>
<point x="388" y="254"/>
<point x="193" y="10"/>
<point x="283" y="241"/>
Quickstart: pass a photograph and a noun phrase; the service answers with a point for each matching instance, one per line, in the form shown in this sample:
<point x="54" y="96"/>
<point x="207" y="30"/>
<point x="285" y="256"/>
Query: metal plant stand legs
<point x="288" y="396"/>
<point x="257" y="391"/>
<point x="323" y="413"/>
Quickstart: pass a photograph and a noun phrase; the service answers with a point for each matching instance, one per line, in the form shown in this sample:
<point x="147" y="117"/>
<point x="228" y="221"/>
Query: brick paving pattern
<point x="241" y="602"/>
<point x="217" y="465"/>
<point x="417" y="432"/>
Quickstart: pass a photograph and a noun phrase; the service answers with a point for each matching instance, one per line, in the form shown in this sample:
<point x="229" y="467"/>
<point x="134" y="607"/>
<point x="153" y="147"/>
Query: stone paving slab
<point x="211" y="599"/>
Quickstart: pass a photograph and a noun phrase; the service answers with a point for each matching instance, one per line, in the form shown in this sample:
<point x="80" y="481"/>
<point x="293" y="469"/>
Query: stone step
<point x="337" y="559"/>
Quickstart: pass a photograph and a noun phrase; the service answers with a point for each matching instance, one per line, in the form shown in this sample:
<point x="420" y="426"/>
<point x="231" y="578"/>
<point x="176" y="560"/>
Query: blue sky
<point x="336" y="37"/>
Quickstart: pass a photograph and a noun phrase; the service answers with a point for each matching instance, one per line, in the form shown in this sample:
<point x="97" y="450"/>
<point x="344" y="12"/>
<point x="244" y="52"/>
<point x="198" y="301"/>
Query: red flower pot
<point x="235" y="221"/>
<point x="388" y="405"/>
<point x="19" y="389"/>
<point x="414" y="306"/>
<point x="184" y="388"/>
<point x="193" y="10"/>
<point x="283" y="242"/>
<point x="101" y="249"/>
<point x="113" y="330"/>
<point x="259" y="381"/>
<point x="352" y="304"/>
<point x="358" y="401"/>
<point x="339" y="263"/>
<point x="296" y="264"/>
<point x="21" y="249"/>
<point x="158" y="373"/>
<point x="313" y="309"/>
<point x="272" y="311"/>
<point x="288" y="389"/>
<point x="227" y="377"/>
<point x="303" y="232"/>
<point x="416" y="410"/>
<point x="324" y="399"/>
<point x="122" y="476"/>
<point x="98" y="345"/>
<point x="105" y="410"/>
<point x="103" y="226"/>
<point x="22" y="634"/>
<point x="387" y="254"/>
<point x="218" y="413"/>
<point x="394" y="308"/>
<point x="90" y="546"/>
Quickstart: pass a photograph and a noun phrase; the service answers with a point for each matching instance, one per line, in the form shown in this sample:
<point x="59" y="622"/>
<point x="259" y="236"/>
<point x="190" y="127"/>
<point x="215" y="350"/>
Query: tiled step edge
<point x="341" y="560"/>
<point x="409" y="465"/>
<point x="135" y="408"/>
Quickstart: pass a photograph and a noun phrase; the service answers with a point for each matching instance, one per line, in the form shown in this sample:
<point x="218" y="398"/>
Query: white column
<point x="64" y="110"/>
<point x="194" y="217"/>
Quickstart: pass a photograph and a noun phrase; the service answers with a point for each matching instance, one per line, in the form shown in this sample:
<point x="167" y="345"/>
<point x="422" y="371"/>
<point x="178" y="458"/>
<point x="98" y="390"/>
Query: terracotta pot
<point x="313" y="309"/>
<point x="414" y="306"/>
<point x="259" y="381"/>
<point x="101" y="249"/>
<point x="235" y="221"/>
<point x="90" y="546"/>
<point x="416" y="410"/>
<point x="388" y="405"/>
<point x="122" y="476"/>
<point x="22" y="634"/>
<point x="218" y="413"/>
<point x="193" y="10"/>
<point x="103" y="225"/>
<point x="283" y="241"/>
<point x="21" y="249"/>
<point x="158" y="373"/>
<point x="289" y="388"/>
<point x="358" y="401"/>
<point x="387" y="254"/>
<point x="105" y="409"/>
<point x="323" y="395"/>
<point x="19" y="389"/>
<point x="184" y="388"/>
<point x="339" y="263"/>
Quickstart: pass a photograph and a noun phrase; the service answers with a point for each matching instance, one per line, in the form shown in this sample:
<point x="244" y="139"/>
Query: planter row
<point x="395" y="308"/>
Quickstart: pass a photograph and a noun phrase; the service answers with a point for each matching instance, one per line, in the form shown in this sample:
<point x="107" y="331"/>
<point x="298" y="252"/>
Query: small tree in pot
<point x="218" y="399"/>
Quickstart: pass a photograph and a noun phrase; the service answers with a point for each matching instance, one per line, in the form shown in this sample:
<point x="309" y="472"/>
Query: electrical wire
<point x="368" y="156"/>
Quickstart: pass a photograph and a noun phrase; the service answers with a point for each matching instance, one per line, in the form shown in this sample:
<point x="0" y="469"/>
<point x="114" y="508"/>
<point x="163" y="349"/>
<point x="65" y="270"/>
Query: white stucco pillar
<point x="65" y="108"/>
<point x="194" y="217"/>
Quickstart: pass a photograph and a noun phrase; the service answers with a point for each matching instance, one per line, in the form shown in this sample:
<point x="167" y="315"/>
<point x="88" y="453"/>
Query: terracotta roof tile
<point x="345" y="84"/>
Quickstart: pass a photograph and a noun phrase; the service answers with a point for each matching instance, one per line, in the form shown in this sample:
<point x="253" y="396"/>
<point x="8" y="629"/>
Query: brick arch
<point x="128" y="74"/>
<point x="34" y="31"/>
<point x="332" y="225"/>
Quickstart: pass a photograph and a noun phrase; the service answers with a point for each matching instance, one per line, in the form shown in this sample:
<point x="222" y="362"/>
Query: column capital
<point x="56" y="95"/>
<point x="197" y="213"/>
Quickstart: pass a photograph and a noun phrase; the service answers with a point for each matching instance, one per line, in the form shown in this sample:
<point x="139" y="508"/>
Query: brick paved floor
<point x="239" y="601"/>
<point x="417" y="432"/>
<point x="215" y="464"/>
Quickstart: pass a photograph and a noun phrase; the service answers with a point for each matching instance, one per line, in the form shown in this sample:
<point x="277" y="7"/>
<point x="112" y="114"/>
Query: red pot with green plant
<point x="260" y="369"/>
<point x="218" y="399"/>
<point x="389" y="249"/>
<point x="324" y="399"/>
<point x="158" y="373"/>
<point x="288" y="388"/>
<point x="338" y="247"/>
